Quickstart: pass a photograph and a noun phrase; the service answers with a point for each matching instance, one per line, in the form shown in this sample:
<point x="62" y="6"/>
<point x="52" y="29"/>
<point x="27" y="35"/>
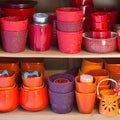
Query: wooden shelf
<point x="55" y="53"/>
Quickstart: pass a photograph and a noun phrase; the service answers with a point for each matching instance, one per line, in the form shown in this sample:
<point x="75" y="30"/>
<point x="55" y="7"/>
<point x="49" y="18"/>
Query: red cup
<point x="118" y="42"/>
<point x="78" y="3"/>
<point x="99" y="34"/>
<point x="69" y="14"/>
<point x="69" y="42"/>
<point x="99" y="26"/>
<point x="40" y="36"/>
<point x="99" y="17"/>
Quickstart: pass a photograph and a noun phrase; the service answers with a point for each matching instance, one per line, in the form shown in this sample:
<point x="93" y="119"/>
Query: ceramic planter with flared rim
<point x="33" y="81"/>
<point x="7" y="81"/>
<point x="91" y="64"/>
<point x="61" y="103"/>
<point x="33" y="99"/>
<point x="9" y="98"/>
<point x="84" y="87"/>
<point x="100" y="74"/>
<point x="61" y="87"/>
<point x="85" y="102"/>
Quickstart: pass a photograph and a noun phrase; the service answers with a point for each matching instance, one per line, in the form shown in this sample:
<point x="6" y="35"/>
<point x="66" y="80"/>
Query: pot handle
<point x="98" y="93"/>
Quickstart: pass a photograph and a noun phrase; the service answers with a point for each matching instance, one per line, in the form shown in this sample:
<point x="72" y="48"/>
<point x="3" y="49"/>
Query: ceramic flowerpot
<point x="61" y="103"/>
<point x="85" y="102"/>
<point x="61" y="87"/>
<point x="84" y="87"/>
<point x="33" y="99"/>
<point x="9" y="98"/>
<point x="7" y="81"/>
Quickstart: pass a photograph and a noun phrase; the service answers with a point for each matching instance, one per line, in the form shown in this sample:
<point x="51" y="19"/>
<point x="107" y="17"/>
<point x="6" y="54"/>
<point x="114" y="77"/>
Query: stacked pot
<point x="14" y="33"/>
<point x="87" y="7"/>
<point x="40" y="32"/>
<point x="85" y="93"/>
<point x="61" y="93"/>
<point x="69" y="29"/>
<point x="9" y="99"/>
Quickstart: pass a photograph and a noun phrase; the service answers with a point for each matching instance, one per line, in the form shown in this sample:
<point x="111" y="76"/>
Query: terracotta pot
<point x="102" y="87"/>
<point x="61" y="103"/>
<point x="100" y="74"/>
<point x="91" y="64"/>
<point x="84" y="87"/>
<point x="7" y="81"/>
<point x="61" y="87"/>
<point x="85" y="102"/>
<point x="33" y="99"/>
<point x="33" y="81"/>
<point x="9" y="99"/>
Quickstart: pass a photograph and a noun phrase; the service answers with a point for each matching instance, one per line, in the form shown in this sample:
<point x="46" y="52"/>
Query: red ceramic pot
<point x="99" y="17"/>
<point x="14" y="23"/>
<point x="9" y="98"/>
<point x="69" y="14"/>
<point x="99" y="34"/>
<point x="69" y="42"/>
<point x="14" y="42"/>
<point x="33" y="99"/>
<point x="78" y="3"/>
<point x="118" y="42"/>
<point x="40" y="36"/>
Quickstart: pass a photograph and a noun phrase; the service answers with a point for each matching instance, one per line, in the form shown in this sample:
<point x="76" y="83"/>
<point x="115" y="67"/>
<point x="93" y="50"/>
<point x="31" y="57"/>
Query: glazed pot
<point x="100" y="45"/>
<point x="33" y="81"/>
<point x="85" y="102"/>
<point x="40" y="36"/>
<point x="91" y="64"/>
<point x="61" y="103"/>
<point x="33" y="99"/>
<point x="61" y="87"/>
<point x="9" y="99"/>
<point x="84" y="87"/>
<point x="69" y="42"/>
<point x="14" y="42"/>
<point x="69" y="14"/>
<point x="78" y="3"/>
<point x="7" y="81"/>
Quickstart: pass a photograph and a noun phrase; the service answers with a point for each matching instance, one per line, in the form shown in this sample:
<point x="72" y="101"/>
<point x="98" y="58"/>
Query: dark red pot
<point x="40" y="36"/>
<point x="78" y="3"/>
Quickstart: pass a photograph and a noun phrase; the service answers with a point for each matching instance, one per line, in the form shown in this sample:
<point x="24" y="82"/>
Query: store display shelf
<point x="55" y="53"/>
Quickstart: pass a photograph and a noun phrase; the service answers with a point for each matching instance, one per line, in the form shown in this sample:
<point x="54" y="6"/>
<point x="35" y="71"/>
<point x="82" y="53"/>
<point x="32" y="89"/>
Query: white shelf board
<point x="55" y="53"/>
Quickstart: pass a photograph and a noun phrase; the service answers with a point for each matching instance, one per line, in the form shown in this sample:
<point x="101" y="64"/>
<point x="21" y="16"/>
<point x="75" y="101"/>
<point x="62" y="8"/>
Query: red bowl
<point x="69" y="14"/>
<point x="78" y="3"/>
<point x="99" y="34"/>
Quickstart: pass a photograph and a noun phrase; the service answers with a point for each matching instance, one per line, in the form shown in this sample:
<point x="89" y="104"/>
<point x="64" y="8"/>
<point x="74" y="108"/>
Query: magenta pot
<point x="14" y="42"/>
<point x="40" y="36"/>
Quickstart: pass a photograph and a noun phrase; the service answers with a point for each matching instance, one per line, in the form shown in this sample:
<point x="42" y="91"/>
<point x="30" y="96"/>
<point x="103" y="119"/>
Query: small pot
<point x="61" y="87"/>
<point x="61" y="103"/>
<point x="9" y="99"/>
<point x="84" y="87"/>
<point x="85" y="102"/>
<point x="78" y="3"/>
<point x="33" y="99"/>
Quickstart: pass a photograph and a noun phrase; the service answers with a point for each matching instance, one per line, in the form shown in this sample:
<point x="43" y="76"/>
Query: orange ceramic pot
<point x="9" y="98"/>
<point x="102" y="87"/>
<point x="100" y="74"/>
<point x="33" y="99"/>
<point x="32" y="64"/>
<point x="33" y="81"/>
<point x="91" y="64"/>
<point x="7" y="81"/>
<point x="83" y="86"/>
<point x="85" y="102"/>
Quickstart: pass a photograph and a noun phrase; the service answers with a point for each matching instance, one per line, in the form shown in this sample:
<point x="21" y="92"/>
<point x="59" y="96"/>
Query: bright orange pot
<point x="83" y="86"/>
<point x="9" y="98"/>
<point x="100" y="74"/>
<point x="33" y="99"/>
<point x="91" y="64"/>
<point x="7" y="81"/>
<point x="85" y="102"/>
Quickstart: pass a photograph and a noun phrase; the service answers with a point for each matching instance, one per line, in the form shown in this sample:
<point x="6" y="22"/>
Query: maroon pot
<point x="40" y="36"/>
<point x="14" y="42"/>
<point x="78" y="3"/>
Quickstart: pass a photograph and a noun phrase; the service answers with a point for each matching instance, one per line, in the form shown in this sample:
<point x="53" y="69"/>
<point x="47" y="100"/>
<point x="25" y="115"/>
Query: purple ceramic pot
<point x="61" y="87"/>
<point x="61" y="103"/>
